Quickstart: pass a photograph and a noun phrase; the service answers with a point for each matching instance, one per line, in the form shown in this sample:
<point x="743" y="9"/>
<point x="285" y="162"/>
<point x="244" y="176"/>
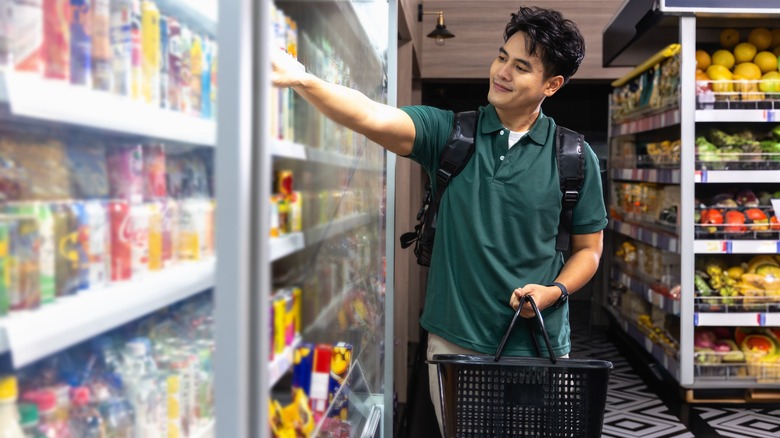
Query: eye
<point x="501" y="58"/>
<point x="519" y="68"/>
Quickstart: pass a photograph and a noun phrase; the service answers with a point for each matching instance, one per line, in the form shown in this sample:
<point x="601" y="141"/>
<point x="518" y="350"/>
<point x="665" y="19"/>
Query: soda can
<point x="66" y="252"/>
<point x="24" y="279"/>
<point x="120" y="243"/>
<point x="101" y="45"/>
<point x="80" y="43"/>
<point x="164" y="63"/>
<point x="138" y="235"/>
<point x="4" y="254"/>
<point x="155" y="236"/>
<point x="81" y="247"/>
<point x="150" y="57"/>
<point x="46" y="264"/>
<point x="121" y="46"/>
<point x="98" y="249"/>
<point x="56" y="39"/>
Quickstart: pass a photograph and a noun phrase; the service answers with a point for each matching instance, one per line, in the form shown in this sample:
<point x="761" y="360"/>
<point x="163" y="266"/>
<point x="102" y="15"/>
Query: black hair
<point x="559" y="42"/>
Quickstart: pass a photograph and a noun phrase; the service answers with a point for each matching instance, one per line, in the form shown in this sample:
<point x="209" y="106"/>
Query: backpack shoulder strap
<point x="571" y="173"/>
<point x="459" y="148"/>
<point x="454" y="157"/>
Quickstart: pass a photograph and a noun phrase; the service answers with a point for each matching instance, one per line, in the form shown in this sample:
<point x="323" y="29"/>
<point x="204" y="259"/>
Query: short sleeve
<point x="590" y="214"/>
<point x="432" y="129"/>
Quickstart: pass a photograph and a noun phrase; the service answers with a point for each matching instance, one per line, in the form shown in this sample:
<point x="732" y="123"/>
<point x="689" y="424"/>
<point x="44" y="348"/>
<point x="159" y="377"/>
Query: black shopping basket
<point x="494" y="396"/>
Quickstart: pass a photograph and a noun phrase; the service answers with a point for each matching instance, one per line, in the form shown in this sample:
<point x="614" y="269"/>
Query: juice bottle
<point x="150" y="58"/>
<point x="85" y="421"/>
<point x="101" y="45"/>
<point x="9" y="416"/>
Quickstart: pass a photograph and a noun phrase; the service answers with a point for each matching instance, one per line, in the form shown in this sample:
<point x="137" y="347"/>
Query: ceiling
<point x="479" y="25"/>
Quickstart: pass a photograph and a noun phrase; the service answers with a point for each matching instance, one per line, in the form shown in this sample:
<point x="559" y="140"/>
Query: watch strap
<point x="564" y="294"/>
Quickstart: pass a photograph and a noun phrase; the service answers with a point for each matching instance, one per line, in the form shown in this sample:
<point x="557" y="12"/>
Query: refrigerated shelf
<point x="736" y="176"/>
<point x="646" y="235"/>
<point x="662" y="176"/>
<point x="32" y="335"/>
<point x="736" y="246"/>
<point x="643" y="289"/>
<point x="670" y="364"/>
<point x="294" y="242"/>
<point x="32" y="97"/>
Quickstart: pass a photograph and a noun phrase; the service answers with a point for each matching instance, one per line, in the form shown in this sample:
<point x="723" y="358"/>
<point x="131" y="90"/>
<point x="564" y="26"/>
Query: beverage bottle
<point x="9" y="416"/>
<point x="28" y="412"/>
<point x="49" y="424"/>
<point x="85" y="421"/>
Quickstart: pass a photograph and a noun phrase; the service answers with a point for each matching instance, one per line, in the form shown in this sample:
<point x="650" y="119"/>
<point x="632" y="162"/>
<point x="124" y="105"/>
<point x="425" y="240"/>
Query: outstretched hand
<point x="286" y="71"/>
<point x="544" y="296"/>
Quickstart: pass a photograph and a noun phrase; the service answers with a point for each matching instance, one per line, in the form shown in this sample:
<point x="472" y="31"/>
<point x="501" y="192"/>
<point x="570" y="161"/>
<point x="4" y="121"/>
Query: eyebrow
<point x="520" y="60"/>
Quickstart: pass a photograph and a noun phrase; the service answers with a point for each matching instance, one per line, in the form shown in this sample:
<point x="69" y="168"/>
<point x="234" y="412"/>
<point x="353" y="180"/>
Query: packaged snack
<point x="125" y="172"/>
<point x="87" y="161"/>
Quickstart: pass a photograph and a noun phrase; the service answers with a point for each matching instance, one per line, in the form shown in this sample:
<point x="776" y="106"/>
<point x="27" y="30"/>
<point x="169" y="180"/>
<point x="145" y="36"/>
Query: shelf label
<point x="761" y="317"/>
<point x="649" y="345"/>
<point x="696" y="319"/>
<point x="714" y="247"/>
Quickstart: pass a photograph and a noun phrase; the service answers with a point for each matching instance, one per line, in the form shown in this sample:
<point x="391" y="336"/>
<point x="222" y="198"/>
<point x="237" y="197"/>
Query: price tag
<point x="648" y="345"/>
<point x="765" y="247"/>
<point x="714" y="247"/>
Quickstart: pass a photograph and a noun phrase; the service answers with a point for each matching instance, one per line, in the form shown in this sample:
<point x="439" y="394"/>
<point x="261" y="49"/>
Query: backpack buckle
<point x="443" y="176"/>
<point x="570" y="197"/>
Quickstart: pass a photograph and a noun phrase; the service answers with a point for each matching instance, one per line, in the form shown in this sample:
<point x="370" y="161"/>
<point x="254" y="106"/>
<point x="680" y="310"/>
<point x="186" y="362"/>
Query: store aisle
<point x="638" y="403"/>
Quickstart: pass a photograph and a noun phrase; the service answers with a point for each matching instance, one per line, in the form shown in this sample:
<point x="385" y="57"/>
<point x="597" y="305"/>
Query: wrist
<point x="564" y="294"/>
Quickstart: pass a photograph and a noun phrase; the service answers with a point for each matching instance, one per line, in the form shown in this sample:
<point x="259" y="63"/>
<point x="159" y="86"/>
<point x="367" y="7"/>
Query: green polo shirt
<point x="496" y="230"/>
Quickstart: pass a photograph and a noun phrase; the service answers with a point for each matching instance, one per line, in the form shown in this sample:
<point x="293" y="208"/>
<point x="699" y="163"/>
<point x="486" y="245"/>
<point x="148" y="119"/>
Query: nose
<point x="504" y="71"/>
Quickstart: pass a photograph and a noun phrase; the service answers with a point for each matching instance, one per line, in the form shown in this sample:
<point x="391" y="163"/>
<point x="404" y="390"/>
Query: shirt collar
<point x="491" y="123"/>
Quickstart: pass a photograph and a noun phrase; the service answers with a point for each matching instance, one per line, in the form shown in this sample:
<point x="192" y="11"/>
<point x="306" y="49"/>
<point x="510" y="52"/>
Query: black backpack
<point x="460" y="148"/>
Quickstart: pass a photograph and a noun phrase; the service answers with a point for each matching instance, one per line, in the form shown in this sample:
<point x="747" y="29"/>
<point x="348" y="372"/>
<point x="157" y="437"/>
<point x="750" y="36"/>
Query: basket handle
<point x="540" y="322"/>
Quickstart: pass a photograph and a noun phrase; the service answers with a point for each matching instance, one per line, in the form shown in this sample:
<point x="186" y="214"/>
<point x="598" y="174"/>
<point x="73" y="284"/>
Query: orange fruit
<point x="703" y="60"/>
<point x="760" y="37"/>
<point x="748" y="70"/>
<point x="766" y="61"/>
<point x="724" y="58"/>
<point x="729" y="38"/>
<point x="744" y="52"/>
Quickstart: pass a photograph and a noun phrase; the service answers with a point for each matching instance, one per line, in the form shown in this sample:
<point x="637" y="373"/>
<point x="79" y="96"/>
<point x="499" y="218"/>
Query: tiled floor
<point x="638" y="405"/>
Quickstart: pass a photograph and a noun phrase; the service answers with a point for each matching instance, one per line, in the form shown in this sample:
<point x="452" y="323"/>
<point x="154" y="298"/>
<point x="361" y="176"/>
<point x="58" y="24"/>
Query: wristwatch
<point x="564" y="294"/>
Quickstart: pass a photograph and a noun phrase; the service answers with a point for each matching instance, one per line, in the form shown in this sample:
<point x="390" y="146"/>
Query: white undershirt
<point x="514" y="137"/>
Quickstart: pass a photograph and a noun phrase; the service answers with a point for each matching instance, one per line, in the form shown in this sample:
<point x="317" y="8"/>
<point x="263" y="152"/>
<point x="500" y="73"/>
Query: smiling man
<point x="498" y="219"/>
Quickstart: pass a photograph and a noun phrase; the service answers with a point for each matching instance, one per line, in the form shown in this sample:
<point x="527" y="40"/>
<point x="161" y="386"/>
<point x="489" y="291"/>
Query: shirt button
<point x="501" y="158"/>
<point x="502" y="132"/>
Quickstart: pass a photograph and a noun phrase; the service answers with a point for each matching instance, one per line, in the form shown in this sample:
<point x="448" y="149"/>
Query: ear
<point x="552" y="85"/>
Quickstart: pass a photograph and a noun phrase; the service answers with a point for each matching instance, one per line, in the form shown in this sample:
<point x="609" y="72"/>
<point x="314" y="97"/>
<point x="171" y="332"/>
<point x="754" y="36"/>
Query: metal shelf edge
<point x="35" y="334"/>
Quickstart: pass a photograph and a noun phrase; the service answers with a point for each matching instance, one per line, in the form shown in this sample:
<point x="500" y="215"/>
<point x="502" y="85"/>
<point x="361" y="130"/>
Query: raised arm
<point x="390" y="127"/>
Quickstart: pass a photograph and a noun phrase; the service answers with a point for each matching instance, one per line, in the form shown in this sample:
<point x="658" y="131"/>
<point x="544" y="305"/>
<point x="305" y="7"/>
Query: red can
<point x="121" y="244"/>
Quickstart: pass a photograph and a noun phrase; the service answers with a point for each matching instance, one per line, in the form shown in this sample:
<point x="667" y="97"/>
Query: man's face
<point x="517" y="80"/>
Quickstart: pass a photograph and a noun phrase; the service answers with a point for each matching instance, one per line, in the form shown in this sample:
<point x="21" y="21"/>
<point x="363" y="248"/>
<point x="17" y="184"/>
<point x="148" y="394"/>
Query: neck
<point x="518" y="122"/>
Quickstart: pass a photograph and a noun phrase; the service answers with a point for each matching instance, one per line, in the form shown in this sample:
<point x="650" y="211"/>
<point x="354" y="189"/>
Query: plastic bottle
<point x="9" y="416"/>
<point x="50" y="425"/>
<point x="29" y="420"/>
<point x="85" y="421"/>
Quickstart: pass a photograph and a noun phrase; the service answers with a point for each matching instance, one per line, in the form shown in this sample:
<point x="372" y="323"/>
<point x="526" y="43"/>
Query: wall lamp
<point x="440" y="33"/>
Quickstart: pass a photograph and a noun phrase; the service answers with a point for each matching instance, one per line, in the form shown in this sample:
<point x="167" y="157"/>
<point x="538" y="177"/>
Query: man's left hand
<point x="544" y="296"/>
